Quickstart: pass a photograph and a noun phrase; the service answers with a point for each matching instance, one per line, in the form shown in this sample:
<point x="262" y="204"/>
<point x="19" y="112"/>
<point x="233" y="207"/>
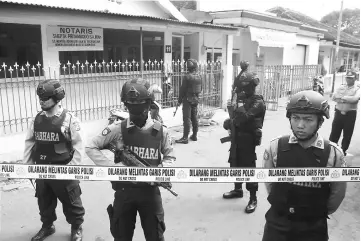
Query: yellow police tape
<point x="180" y="174"/>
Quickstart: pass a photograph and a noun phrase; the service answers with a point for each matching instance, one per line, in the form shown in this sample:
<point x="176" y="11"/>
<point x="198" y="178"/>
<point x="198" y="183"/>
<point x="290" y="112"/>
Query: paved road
<point x="199" y="213"/>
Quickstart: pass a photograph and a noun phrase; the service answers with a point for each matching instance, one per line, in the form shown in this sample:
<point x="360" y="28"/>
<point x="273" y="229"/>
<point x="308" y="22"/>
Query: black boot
<point x="236" y="193"/>
<point x="252" y="205"/>
<point x="194" y="137"/>
<point x="183" y="140"/>
<point x="43" y="233"/>
<point x="77" y="233"/>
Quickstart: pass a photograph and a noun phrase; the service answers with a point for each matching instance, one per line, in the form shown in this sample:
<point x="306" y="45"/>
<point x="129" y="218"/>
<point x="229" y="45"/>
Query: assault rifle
<point x="137" y="161"/>
<point x="232" y="132"/>
<point x="230" y="108"/>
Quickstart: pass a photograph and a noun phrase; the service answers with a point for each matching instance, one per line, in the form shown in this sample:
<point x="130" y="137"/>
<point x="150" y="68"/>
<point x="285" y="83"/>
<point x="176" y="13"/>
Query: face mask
<point x="47" y="108"/>
<point x="138" y="114"/>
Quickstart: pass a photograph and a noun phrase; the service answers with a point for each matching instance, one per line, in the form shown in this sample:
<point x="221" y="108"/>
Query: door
<point x="177" y="48"/>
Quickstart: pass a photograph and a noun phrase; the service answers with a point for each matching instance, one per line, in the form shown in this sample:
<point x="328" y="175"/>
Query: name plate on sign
<point x="73" y="38"/>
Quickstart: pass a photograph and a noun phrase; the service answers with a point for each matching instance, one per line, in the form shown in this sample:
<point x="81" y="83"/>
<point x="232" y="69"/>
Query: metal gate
<point x="94" y="88"/>
<point x="278" y="81"/>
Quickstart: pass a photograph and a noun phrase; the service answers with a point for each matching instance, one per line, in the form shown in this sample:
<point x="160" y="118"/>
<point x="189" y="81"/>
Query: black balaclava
<point x="52" y="106"/>
<point x="138" y="113"/>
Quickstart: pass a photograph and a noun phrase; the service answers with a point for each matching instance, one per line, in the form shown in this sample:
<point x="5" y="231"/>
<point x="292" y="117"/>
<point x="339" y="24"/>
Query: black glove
<point x="227" y="124"/>
<point x="166" y="184"/>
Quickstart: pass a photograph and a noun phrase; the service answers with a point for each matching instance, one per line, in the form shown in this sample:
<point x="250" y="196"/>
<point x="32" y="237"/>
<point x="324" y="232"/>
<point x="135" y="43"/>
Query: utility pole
<point x="141" y="52"/>
<point x="335" y="59"/>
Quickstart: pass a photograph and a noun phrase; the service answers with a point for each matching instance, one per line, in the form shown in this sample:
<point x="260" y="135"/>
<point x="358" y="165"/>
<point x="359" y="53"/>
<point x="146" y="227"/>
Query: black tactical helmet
<point x="136" y="91"/>
<point x="244" y="64"/>
<point x="50" y="89"/>
<point x="308" y="102"/>
<point x="351" y="74"/>
<point x="192" y="64"/>
<point x="247" y="78"/>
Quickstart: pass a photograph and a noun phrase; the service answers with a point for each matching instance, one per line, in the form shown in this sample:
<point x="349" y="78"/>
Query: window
<point x="119" y="46"/>
<point x="21" y="44"/>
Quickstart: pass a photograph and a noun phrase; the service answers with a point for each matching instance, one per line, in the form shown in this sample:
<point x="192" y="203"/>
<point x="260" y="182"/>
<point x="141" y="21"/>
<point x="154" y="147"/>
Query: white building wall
<point x="312" y="49"/>
<point x="213" y="40"/>
<point x="193" y="43"/>
<point x="248" y="49"/>
<point x="49" y="17"/>
<point x="272" y="56"/>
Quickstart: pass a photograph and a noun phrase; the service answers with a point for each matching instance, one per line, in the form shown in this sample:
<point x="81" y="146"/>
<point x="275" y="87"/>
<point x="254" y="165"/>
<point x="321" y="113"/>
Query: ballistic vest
<point x="257" y="122"/>
<point x="51" y="144"/>
<point x="237" y="80"/>
<point x="145" y="143"/>
<point x="301" y="199"/>
<point x="194" y="84"/>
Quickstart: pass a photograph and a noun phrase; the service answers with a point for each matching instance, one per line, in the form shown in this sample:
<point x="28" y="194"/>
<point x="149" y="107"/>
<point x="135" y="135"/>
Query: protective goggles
<point x="44" y="98"/>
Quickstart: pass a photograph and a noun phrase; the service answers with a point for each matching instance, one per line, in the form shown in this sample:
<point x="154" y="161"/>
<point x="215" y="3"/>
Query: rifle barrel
<point x="144" y="164"/>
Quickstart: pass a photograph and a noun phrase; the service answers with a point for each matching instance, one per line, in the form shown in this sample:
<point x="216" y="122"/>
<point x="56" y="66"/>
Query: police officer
<point x="299" y="210"/>
<point x="189" y="96"/>
<point x="155" y="107"/>
<point x="346" y="98"/>
<point x="54" y="138"/>
<point x="248" y="122"/>
<point x="244" y="69"/>
<point x="149" y="139"/>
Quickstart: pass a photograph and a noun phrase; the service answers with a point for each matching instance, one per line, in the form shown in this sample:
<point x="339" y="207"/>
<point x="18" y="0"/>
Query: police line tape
<point x="179" y="174"/>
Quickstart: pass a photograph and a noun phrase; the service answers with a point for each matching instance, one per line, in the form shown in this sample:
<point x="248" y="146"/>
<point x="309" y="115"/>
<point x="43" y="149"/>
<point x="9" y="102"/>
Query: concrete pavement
<point x="199" y="212"/>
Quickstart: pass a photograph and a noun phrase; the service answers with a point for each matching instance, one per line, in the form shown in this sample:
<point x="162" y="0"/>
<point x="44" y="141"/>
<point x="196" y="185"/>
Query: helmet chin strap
<point x="50" y="107"/>
<point x="310" y="136"/>
<point x="307" y="138"/>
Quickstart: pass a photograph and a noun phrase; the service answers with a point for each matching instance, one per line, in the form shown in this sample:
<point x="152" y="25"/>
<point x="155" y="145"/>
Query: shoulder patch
<point x="266" y="155"/>
<point x="106" y="131"/>
<point x="157" y="125"/>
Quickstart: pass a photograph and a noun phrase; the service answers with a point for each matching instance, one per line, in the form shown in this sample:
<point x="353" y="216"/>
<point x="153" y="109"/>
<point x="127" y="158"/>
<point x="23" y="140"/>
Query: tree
<point x="350" y="21"/>
<point x="185" y="4"/>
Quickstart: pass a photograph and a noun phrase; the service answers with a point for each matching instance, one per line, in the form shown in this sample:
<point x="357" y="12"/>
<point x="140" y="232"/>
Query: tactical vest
<point x="257" y="122"/>
<point x="145" y="143"/>
<point x="302" y="199"/>
<point x="194" y="84"/>
<point x="51" y="145"/>
<point x="237" y="80"/>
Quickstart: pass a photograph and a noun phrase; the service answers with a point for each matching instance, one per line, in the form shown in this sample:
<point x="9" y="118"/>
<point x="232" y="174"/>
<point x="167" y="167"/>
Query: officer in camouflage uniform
<point x="248" y="120"/>
<point x="244" y="69"/>
<point x="149" y="139"/>
<point x="55" y="138"/>
<point x="299" y="209"/>
<point x="189" y="96"/>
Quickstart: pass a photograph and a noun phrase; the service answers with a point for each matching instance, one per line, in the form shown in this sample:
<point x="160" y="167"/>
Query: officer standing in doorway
<point x="150" y="140"/>
<point x="346" y="98"/>
<point x="299" y="210"/>
<point x="189" y="96"/>
<point x="55" y="138"/>
<point x="247" y="122"/>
